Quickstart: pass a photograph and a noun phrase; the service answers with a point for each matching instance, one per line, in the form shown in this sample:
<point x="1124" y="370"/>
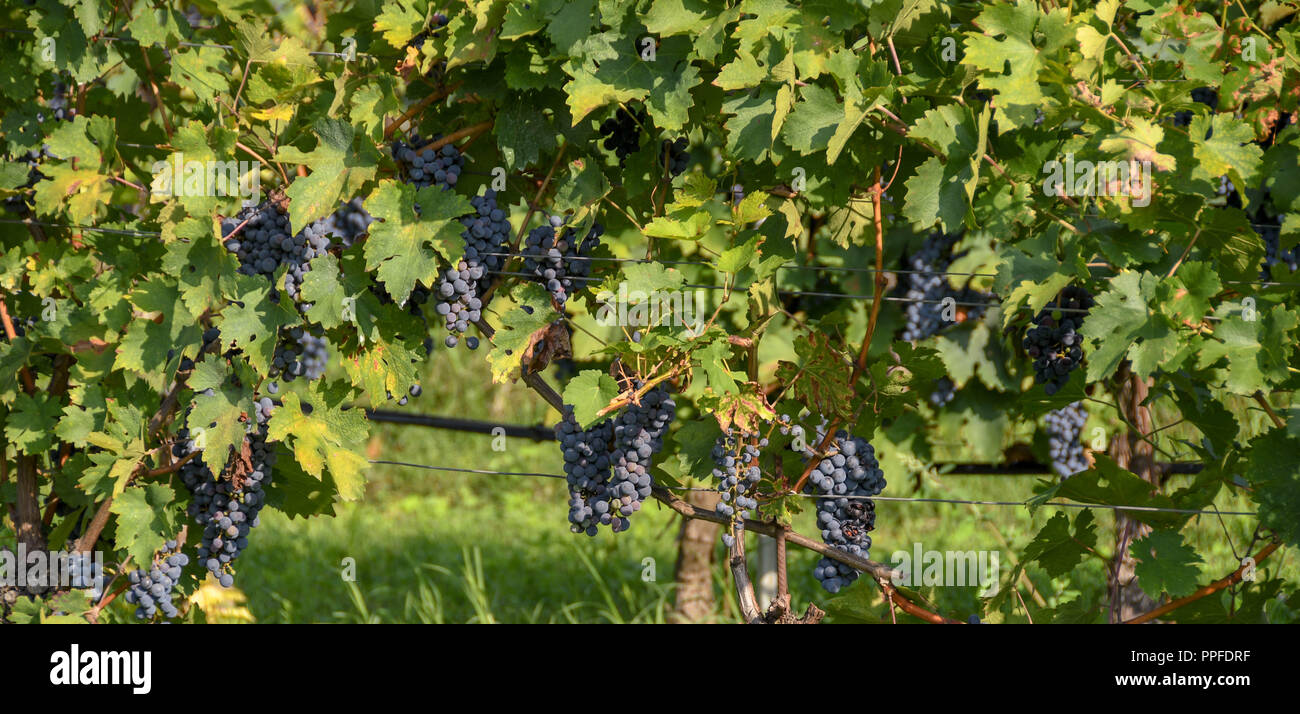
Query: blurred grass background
<point x="432" y="546"/>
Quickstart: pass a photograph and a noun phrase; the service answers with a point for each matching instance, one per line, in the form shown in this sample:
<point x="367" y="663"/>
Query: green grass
<point x="433" y="546"/>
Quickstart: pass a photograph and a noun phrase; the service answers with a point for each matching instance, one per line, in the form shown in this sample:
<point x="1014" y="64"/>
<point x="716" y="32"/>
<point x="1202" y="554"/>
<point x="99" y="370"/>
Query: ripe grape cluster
<point x="736" y="472"/>
<point x="438" y="71"/>
<point x="844" y="480"/>
<point x="349" y="222"/>
<point x="926" y="287"/>
<point x="299" y="353"/>
<point x="944" y="391"/>
<point x="638" y="436"/>
<point x="461" y="289"/>
<point x="1054" y="342"/>
<point x="1208" y="96"/>
<point x="675" y="155"/>
<point x="607" y="465"/>
<point x="1269" y="227"/>
<point x="586" y="469"/>
<point x="264" y="244"/>
<point x="557" y="259"/>
<point x="152" y="590"/>
<point x="227" y="508"/>
<point x="21" y="326"/>
<point x="1064" y="427"/>
<point x="622" y="132"/>
<point x="423" y="165"/>
<point x="86" y="574"/>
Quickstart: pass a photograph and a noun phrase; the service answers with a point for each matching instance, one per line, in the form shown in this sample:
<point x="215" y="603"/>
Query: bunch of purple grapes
<point x="736" y="474"/>
<point x="461" y="290"/>
<point x="557" y="259"/>
<point x="265" y="243"/>
<point x="227" y="510"/>
<point x="1064" y="427"/>
<point x="607" y="465"/>
<point x="299" y="353"/>
<point x="844" y="480"/>
<point x="1054" y="343"/>
<point x="926" y="287"/>
<point x="423" y="165"/>
<point x="349" y="222"/>
<point x="622" y="132"/>
<point x="153" y="590"/>
<point x="675" y="155"/>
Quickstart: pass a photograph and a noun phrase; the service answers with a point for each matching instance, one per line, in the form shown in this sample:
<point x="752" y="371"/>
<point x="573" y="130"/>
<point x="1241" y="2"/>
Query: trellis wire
<point x="899" y="499"/>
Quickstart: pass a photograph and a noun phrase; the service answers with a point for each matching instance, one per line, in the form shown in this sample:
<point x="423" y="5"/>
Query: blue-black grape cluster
<point x="943" y="392"/>
<point x="211" y="337"/>
<point x="557" y="259"/>
<point x="1208" y="96"/>
<point x="299" y="353"/>
<point x="425" y="166"/>
<point x="926" y="287"/>
<point x="152" y="590"/>
<point x="86" y="574"/>
<point x="461" y="290"/>
<point x="1054" y="343"/>
<point x="736" y="473"/>
<point x="21" y="326"/>
<point x="587" y="472"/>
<point x="349" y="222"/>
<point x="1269" y="227"/>
<point x="638" y="436"/>
<point x="1064" y="429"/>
<point x="622" y="133"/>
<point x="265" y="243"/>
<point x="844" y="480"/>
<point x="227" y="508"/>
<point x="607" y="465"/>
<point x="675" y="155"/>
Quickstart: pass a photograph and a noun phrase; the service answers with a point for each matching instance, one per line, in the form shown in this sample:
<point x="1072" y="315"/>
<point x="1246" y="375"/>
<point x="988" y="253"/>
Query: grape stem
<point x="1214" y="587"/>
<point x="877" y="293"/>
<point x="416" y="109"/>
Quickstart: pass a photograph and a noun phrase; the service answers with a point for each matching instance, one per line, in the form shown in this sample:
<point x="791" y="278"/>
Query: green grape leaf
<point x="588" y="393"/>
<point x="1165" y="564"/>
<point x="402" y="242"/>
<point x="30" y="424"/>
<point x="338" y="169"/>
<point x="820" y="379"/>
<point x="145" y="520"/>
<point x="253" y="326"/>
<point x="516" y="328"/>
<point x="1057" y="549"/>
<point x="215" y="421"/>
<point x="1257" y="350"/>
<point x="327" y="438"/>
<point x="381" y="368"/>
<point x="1274" y="472"/>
